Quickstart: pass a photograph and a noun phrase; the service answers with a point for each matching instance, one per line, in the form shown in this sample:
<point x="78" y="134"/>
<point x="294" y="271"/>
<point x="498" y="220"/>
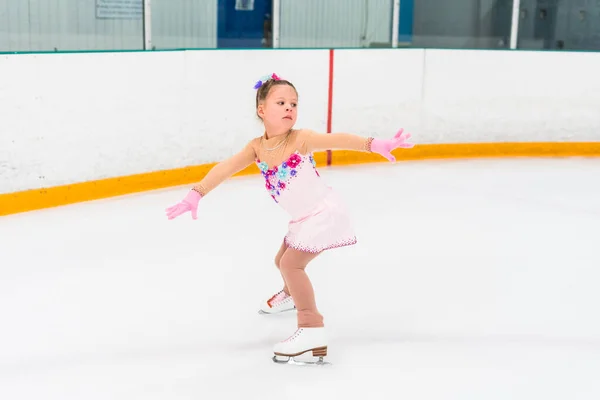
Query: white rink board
<point x="76" y="117"/>
<point x="84" y="116"/>
<point x="376" y="92"/>
<point x="100" y="115"/>
<point x="520" y="96"/>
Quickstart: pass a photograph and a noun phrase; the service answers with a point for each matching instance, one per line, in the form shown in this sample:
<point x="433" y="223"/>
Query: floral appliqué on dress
<point x="278" y="177"/>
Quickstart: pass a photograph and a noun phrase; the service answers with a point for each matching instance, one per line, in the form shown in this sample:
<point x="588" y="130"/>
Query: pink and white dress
<point x="319" y="218"/>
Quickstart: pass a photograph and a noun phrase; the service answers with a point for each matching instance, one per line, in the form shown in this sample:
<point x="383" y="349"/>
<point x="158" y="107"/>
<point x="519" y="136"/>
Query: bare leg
<point x="280" y="253"/>
<point x="292" y="266"/>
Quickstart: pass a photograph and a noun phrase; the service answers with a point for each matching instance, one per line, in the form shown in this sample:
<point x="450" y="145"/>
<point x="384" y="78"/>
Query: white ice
<point x="471" y="279"/>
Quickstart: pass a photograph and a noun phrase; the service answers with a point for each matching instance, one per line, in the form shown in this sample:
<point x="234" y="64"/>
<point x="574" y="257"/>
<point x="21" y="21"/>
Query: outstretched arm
<point x="336" y="141"/>
<point x="213" y="178"/>
<point x="225" y="169"/>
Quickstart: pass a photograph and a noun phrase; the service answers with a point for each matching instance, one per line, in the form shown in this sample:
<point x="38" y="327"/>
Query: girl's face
<point x="279" y="110"/>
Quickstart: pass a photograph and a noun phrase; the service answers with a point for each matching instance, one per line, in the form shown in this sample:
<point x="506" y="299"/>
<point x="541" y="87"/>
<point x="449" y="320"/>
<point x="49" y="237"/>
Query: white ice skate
<point x="280" y="302"/>
<point x="305" y="346"/>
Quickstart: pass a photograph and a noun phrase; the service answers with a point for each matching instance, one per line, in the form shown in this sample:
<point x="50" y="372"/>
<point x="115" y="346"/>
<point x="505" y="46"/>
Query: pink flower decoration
<point x="294" y="160"/>
<point x="274" y="76"/>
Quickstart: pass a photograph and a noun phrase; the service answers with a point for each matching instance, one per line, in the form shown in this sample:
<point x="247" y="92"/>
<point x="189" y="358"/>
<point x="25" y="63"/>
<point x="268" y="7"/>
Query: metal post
<point x="514" y="25"/>
<point x="276" y="19"/>
<point x="395" y="23"/>
<point x="147" y="25"/>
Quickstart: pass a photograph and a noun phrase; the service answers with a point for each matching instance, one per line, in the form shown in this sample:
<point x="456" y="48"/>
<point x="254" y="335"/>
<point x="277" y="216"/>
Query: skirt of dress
<point x="326" y="227"/>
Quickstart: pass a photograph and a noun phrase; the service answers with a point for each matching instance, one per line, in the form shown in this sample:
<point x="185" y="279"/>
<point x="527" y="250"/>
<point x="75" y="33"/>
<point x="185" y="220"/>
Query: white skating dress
<point x="319" y="218"/>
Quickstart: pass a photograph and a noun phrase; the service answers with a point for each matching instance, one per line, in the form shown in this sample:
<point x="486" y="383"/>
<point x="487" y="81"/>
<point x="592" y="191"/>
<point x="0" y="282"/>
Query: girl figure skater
<point x="319" y="218"/>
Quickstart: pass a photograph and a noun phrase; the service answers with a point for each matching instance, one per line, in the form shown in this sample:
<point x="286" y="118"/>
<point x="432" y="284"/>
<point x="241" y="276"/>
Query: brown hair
<point x="263" y="91"/>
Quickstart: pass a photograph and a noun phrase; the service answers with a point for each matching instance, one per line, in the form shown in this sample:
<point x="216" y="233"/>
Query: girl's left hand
<point x="385" y="146"/>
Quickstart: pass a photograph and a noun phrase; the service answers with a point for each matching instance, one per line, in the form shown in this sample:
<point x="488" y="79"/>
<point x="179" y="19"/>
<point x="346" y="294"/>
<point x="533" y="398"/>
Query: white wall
<point x="450" y="96"/>
<point x="490" y="96"/>
<point x="75" y="117"/>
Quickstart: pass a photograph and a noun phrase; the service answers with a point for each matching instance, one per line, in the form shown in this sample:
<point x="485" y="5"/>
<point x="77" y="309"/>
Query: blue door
<point x="242" y="23"/>
<point x="405" y="27"/>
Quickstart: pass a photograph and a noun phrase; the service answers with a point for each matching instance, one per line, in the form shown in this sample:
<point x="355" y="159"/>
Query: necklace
<point x="287" y="136"/>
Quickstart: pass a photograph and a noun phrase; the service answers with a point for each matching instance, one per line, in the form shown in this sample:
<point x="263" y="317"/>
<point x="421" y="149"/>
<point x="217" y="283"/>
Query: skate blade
<point x="311" y="357"/>
<point x="261" y="312"/>
<point x="301" y="361"/>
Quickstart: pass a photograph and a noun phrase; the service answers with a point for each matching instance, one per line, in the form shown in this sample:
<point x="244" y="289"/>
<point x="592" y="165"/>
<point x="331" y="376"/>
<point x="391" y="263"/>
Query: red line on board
<point x="330" y="101"/>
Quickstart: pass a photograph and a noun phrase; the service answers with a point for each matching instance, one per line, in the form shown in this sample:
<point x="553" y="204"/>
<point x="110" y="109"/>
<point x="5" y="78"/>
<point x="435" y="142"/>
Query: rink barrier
<point x="71" y="152"/>
<point x="36" y="199"/>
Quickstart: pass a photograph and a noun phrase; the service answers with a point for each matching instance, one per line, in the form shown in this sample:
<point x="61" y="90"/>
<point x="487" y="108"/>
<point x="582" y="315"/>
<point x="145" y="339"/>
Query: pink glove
<point x="385" y="146"/>
<point x="189" y="203"/>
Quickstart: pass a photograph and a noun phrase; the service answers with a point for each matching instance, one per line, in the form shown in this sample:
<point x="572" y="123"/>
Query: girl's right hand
<point x="189" y="203"/>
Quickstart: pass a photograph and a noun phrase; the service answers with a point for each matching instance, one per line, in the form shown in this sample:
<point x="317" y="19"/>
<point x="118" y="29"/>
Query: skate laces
<point x="277" y="297"/>
<point x="294" y="336"/>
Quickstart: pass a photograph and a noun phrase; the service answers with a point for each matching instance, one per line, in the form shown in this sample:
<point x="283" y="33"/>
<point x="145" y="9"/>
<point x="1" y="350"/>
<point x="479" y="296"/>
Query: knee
<point x="278" y="261"/>
<point x="289" y="263"/>
<point x="285" y="264"/>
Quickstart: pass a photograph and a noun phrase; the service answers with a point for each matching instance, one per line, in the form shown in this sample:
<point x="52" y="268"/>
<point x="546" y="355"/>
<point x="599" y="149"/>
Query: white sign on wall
<point x="120" y="9"/>
<point x="244" y="5"/>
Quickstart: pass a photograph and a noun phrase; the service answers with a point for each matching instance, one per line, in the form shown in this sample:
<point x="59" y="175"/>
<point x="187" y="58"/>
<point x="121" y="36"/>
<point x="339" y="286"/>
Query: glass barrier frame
<point x="397" y="37"/>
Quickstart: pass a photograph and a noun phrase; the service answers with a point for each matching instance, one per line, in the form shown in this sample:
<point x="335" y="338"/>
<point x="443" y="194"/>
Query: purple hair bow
<point x="265" y="78"/>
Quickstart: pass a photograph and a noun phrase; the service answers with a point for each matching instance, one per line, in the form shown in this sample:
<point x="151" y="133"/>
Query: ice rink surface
<point x="471" y="279"/>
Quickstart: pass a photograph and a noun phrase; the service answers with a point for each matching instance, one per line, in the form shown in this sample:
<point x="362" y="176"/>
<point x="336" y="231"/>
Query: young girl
<point x="319" y="218"/>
